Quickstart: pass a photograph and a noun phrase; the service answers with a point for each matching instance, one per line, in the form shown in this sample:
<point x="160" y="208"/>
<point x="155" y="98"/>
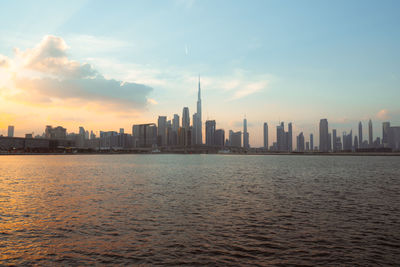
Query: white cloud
<point x="383" y="114"/>
<point x="4" y="61"/>
<point x="53" y="76"/>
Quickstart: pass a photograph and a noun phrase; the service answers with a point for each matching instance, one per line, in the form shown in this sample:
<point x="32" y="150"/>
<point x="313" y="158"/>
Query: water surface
<point x="199" y="210"/>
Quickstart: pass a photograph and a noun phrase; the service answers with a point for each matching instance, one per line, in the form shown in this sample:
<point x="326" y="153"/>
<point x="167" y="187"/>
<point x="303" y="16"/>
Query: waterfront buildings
<point x="10" y="131"/>
<point x="185" y="118"/>
<point x="370" y="134"/>
<point x="300" y="142"/>
<point x="360" y="135"/>
<point x="219" y="138"/>
<point x="210" y="132"/>
<point x="265" y="136"/>
<point x="245" y="134"/>
<point x="312" y="142"/>
<point x="235" y="138"/>
<point x="323" y="136"/>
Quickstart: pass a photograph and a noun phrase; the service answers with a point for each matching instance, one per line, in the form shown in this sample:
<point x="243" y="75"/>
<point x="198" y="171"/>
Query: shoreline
<point x="363" y="154"/>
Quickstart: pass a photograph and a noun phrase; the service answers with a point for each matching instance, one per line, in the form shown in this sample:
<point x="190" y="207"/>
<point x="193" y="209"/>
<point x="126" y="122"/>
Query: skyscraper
<point x="290" y="138"/>
<point x="198" y="128"/>
<point x="334" y="141"/>
<point x="323" y="135"/>
<point x="266" y="135"/>
<point x="162" y="130"/>
<point x="219" y="138"/>
<point x="300" y="142"/>
<point x="210" y="132"/>
<point x="10" y="131"/>
<point x="385" y="133"/>
<point x="280" y="137"/>
<point x="360" y="135"/>
<point x="185" y="118"/>
<point x="311" y="142"/>
<point x="245" y="134"/>
<point x="370" y="135"/>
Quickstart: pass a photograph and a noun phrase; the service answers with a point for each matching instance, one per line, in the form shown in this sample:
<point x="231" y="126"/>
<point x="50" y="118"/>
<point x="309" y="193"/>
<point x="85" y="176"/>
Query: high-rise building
<point x="265" y="135"/>
<point x="300" y="142"/>
<point x="175" y="123"/>
<point x="385" y="133"/>
<point x="10" y="131"/>
<point x="323" y="135"/>
<point x="394" y="138"/>
<point x="185" y="118"/>
<point x="235" y="138"/>
<point x="245" y="134"/>
<point x="197" y="121"/>
<point x="334" y="141"/>
<point x="348" y="141"/>
<point x="210" y="132"/>
<point x="370" y="134"/>
<point x="162" y="130"/>
<point x="360" y="134"/>
<point x="329" y="142"/>
<point x="144" y="135"/>
<point x="290" y="138"/>
<point x="311" y="142"/>
<point x="219" y="139"/>
<point x="280" y="137"/>
<point x="355" y="143"/>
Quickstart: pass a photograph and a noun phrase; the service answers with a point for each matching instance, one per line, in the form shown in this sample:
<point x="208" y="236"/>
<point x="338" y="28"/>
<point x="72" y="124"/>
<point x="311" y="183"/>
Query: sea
<point x="199" y="210"/>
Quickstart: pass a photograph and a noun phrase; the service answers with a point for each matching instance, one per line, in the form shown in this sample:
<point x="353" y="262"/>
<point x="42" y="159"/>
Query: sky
<point x="106" y="65"/>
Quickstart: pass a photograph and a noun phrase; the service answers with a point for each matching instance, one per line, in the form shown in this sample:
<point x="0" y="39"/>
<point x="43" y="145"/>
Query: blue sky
<point x="294" y="61"/>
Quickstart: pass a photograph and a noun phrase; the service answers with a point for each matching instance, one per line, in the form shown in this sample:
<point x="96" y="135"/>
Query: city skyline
<point x="64" y="70"/>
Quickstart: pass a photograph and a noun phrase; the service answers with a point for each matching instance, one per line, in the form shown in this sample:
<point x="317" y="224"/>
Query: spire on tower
<point x="199" y="89"/>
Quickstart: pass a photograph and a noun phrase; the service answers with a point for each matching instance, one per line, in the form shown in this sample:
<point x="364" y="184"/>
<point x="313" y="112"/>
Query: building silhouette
<point x="210" y="132"/>
<point x="360" y="135"/>
<point x="245" y="134"/>
<point x="185" y="118"/>
<point x="370" y="134"/>
<point x="323" y="136"/>
<point x="10" y="131"/>
<point x="265" y="135"/>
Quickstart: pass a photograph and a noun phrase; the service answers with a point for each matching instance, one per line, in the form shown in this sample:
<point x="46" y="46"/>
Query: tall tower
<point x="266" y="135"/>
<point x="323" y="136"/>
<point x="360" y="136"/>
<point x="245" y="134"/>
<point x="199" y="129"/>
<point x="370" y="135"/>
<point x="290" y="138"/>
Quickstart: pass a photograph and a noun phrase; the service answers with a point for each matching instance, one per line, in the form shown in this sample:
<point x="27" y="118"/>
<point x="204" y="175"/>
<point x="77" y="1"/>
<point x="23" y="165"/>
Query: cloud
<point x="383" y="114"/>
<point x="49" y="76"/>
<point x="249" y="89"/>
<point x="4" y="61"/>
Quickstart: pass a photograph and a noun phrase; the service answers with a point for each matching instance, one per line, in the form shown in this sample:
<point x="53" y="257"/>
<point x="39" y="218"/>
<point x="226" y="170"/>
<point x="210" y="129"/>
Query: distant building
<point x="348" y="141"/>
<point x="385" y="133"/>
<point x="185" y="118"/>
<point x="219" y="137"/>
<point x="370" y="134"/>
<point x="323" y="136"/>
<point x="10" y="131"/>
<point x="290" y="138"/>
<point x="210" y="132"/>
<point x="144" y="135"/>
<point x="265" y="135"/>
<point x="334" y="141"/>
<point x="394" y="138"/>
<point x="312" y="142"/>
<point x="355" y="143"/>
<point x="245" y="135"/>
<point x="55" y="133"/>
<point x="360" y="135"/>
<point x="235" y="138"/>
<point x="162" y="131"/>
<point x="300" y="142"/>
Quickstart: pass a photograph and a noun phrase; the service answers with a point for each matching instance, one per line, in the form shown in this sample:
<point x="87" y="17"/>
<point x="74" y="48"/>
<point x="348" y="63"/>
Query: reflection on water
<point x="199" y="210"/>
